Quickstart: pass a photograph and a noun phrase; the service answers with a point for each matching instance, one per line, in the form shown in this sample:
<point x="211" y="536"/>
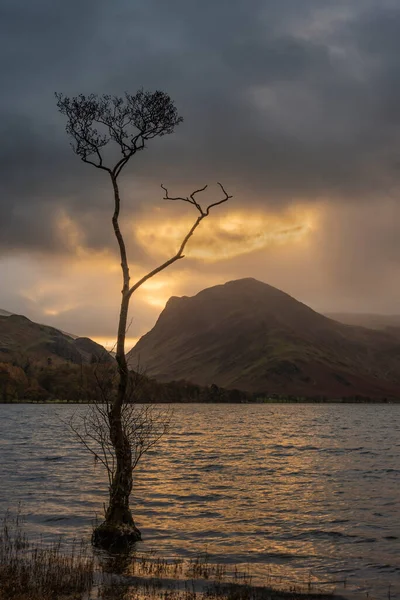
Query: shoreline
<point x="261" y="401"/>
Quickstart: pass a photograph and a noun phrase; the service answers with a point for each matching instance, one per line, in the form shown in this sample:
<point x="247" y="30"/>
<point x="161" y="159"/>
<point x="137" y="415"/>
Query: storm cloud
<point x="285" y="102"/>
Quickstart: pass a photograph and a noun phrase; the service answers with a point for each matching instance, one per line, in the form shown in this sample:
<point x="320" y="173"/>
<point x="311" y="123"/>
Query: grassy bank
<point x="36" y="571"/>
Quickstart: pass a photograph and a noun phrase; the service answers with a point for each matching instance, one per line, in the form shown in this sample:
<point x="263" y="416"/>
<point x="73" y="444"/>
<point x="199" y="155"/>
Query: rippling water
<point x="287" y="488"/>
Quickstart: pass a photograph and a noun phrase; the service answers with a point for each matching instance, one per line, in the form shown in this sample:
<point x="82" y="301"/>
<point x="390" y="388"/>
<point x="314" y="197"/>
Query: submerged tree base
<point x="115" y="538"/>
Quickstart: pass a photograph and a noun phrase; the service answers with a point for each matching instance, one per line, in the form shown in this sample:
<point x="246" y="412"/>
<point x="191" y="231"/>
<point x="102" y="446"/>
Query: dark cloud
<point x="279" y="98"/>
<point x="283" y="101"/>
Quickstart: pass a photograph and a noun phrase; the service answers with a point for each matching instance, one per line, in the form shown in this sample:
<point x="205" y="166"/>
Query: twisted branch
<point x="204" y="212"/>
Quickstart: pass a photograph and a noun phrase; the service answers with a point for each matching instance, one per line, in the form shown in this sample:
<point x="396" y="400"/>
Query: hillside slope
<point x="41" y="343"/>
<point x="248" y="335"/>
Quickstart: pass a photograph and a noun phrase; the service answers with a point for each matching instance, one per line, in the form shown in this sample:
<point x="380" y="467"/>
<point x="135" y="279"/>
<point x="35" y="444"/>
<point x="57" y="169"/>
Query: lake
<point x="296" y="490"/>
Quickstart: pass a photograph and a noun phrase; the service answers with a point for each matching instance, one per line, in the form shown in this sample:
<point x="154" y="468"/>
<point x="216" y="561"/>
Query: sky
<point x="294" y="105"/>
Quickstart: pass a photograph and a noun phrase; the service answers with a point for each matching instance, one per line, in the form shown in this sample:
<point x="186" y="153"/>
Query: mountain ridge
<point x="249" y="335"/>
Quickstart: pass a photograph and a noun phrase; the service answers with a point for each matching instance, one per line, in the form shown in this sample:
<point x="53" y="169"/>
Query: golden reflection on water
<point x="287" y="488"/>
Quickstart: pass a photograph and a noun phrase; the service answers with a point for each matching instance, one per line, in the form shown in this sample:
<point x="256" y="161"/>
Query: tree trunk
<point x="118" y="530"/>
<point x="118" y="511"/>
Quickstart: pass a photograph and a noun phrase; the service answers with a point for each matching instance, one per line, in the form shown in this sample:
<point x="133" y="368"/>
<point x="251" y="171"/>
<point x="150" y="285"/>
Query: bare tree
<point x="129" y="122"/>
<point x="143" y="424"/>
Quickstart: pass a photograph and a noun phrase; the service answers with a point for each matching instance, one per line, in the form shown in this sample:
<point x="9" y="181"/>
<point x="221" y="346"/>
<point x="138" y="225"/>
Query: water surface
<point x="295" y="490"/>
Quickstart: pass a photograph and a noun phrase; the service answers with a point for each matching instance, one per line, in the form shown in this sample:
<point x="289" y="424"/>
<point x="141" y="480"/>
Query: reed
<point x="35" y="571"/>
<point x="39" y="571"/>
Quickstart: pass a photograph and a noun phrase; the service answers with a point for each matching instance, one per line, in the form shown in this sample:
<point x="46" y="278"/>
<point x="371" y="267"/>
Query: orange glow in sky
<point x="227" y="236"/>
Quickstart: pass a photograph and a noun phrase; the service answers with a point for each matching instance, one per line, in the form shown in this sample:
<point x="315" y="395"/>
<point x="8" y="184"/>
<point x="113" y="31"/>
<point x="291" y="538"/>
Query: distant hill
<point x="6" y="313"/>
<point x="41" y="343"/>
<point x="251" y="336"/>
<point x="40" y="363"/>
<point x="371" y="321"/>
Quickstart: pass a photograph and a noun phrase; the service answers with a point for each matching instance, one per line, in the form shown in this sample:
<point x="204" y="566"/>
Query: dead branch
<point x="204" y="212"/>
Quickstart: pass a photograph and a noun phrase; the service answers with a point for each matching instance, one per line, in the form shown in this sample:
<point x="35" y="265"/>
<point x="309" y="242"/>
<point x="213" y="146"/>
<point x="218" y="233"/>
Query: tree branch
<point x="97" y="165"/>
<point x="225" y="199"/>
<point x="203" y="214"/>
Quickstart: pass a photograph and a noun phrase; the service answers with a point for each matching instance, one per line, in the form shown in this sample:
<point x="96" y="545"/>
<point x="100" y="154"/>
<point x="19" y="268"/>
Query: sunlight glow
<point x="88" y="279"/>
<point x="110" y="344"/>
<point x="229" y="236"/>
<point x="155" y="292"/>
<point x="54" y="312"/>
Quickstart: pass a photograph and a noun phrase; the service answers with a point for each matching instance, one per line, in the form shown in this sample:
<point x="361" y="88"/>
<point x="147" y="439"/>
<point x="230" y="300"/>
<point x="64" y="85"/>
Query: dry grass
<point x="38" y="572"/>
<point x="147" y="577"/>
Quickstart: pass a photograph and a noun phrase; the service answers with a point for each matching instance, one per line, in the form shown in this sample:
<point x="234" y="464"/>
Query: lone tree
<point x="127" y="123"/>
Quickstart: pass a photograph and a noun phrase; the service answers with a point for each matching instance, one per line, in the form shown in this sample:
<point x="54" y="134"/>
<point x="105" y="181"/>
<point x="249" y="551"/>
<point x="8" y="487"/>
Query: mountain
<point x="41" y="343"/>
<point x="372" y="321"/>
<point x="5" y="313"/>
<point x="248" y="335"/>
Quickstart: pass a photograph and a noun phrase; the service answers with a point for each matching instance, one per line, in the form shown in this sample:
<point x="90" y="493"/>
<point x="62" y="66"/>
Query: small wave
<point x="339" y="521"/>
<point x="200" y="498"/>
<point x="281" y="454"/>
<point x="212" y="467"/>
<point x="387" y="568"/>
<point x="282" y="446"/>
<point x="318" y="533"/>
<point x="260" y="557"/>
<point x="157" y="503"/>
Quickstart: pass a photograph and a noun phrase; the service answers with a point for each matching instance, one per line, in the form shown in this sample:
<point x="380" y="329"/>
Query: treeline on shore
<point x="26" y="380"/>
